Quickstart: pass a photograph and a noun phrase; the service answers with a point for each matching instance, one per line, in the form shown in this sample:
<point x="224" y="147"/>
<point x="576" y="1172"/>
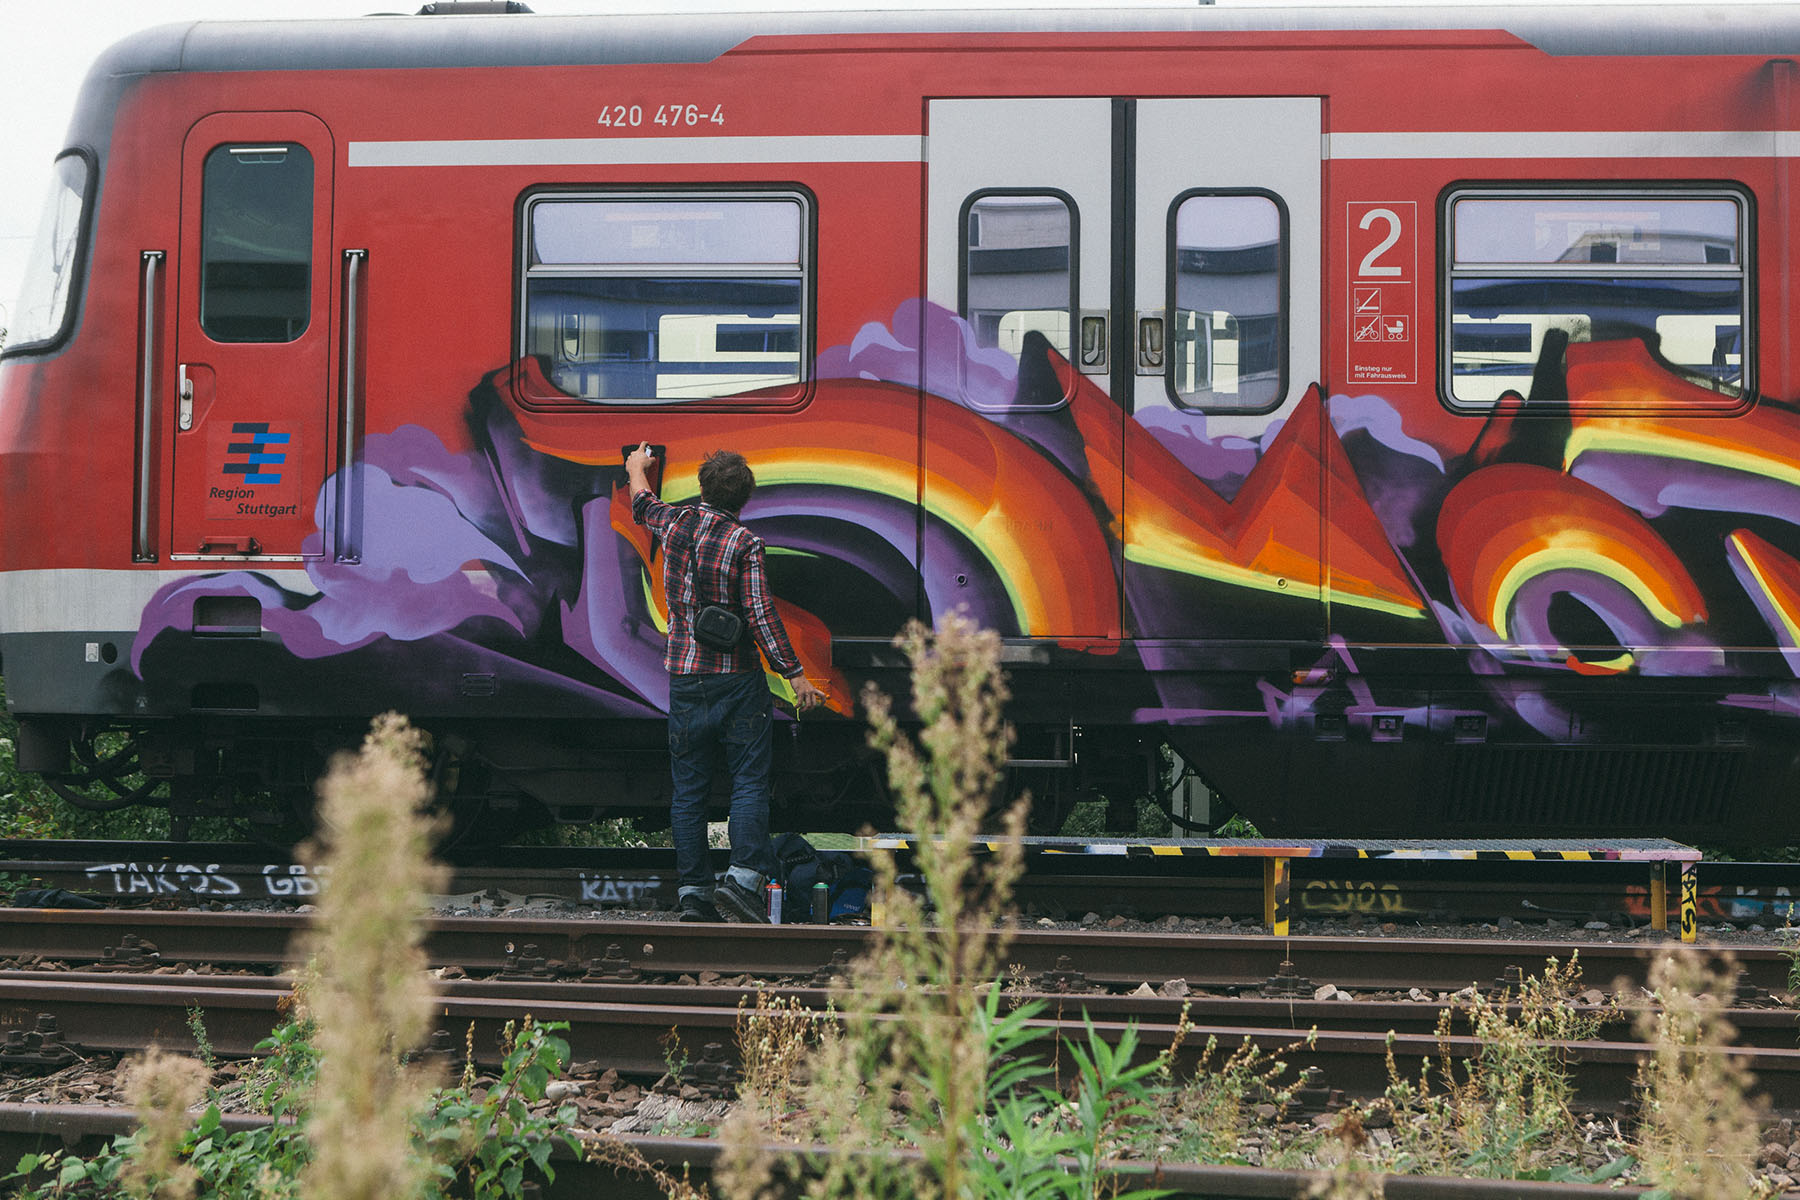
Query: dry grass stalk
<point x="162" y="1087"/>
<point x="913" y="1059"/>
<point x="372" y="1003"/>
<point x="774" y="1038"/>
<point x="1698" y="1137"/>
<point x="617" y="1152"/>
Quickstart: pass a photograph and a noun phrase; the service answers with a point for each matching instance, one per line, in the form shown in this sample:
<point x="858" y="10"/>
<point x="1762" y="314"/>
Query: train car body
<point x="1393" y="412"/>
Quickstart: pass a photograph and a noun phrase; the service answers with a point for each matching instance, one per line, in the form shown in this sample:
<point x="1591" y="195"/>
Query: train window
<point x="53" y="270"/>
<point x="1018" y="273"/>
<point x="1530" y="271"/>
<point x="635" y="299"/>
<point x="256" y="228"/>
<point x="1227" y="288"/>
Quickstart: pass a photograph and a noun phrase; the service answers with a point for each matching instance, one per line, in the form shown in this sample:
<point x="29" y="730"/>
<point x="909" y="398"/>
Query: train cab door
<point x="253" y="337"/>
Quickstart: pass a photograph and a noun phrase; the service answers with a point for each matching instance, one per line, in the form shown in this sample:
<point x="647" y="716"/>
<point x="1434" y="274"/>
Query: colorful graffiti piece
<point x="1593" y="544"/>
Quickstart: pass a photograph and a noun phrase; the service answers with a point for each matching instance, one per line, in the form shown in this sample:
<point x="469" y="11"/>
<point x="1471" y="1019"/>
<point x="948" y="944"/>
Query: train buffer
<point x="1277" y="855"/>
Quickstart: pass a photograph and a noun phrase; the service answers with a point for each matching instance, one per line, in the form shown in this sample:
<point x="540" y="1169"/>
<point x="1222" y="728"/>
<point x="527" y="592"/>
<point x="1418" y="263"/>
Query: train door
<point x="1167" y="252"/>
<point x="253" y="338"/>
<point x="1222" y="499"/>
<point x="1019" y="248"/>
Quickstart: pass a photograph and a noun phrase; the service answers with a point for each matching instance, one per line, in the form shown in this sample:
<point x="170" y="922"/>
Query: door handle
<point x="1150" y="345"/>
<point x="184" y="396"/>
<point x="1093" y="343"/>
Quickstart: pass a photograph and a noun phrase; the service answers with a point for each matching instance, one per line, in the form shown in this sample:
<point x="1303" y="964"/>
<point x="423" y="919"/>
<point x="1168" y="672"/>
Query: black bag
<point x="718" y="628"/>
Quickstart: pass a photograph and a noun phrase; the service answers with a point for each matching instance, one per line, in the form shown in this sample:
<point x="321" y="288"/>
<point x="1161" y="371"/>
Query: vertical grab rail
<point x="143" y="544"/>
<point x="344" y="535"/>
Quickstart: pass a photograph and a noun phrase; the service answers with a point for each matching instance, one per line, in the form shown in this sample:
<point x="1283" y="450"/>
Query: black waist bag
<point x="718" y="628"/>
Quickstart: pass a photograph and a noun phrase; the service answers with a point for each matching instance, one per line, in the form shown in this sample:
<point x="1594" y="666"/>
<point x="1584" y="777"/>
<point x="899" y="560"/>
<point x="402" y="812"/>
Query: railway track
<point x="85" y="1128"/>
<point x="1342" y="1049"/>
<point x="1108" y="958"/>
<point x="1404" y="891"/>
<point x="621" y="986"/>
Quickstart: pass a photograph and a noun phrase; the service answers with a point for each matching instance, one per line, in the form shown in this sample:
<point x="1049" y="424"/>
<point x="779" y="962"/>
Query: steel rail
<point x="1765" y="1027"/>
<point x="85" y="1129"/>
<point x="1113" y="958"/>
<point x="631" y="1038"/>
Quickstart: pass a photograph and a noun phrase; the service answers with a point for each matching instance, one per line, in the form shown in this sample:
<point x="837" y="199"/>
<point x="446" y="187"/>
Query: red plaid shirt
<point x="704" y="546"/>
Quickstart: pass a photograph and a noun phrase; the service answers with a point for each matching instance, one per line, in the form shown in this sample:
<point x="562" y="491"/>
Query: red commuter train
<point x="1392" y="412"/>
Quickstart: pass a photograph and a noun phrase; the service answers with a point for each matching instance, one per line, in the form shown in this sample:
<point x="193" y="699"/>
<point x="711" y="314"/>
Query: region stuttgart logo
<point x="254" y="454"/>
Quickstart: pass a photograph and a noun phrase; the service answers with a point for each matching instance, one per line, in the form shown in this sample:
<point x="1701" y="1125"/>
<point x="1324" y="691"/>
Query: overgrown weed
<point x="934" y="1055"/>
<point x="353" y="1115"/>
<point x="1699" y="1127"/>
<point x="1502" y="1110"/>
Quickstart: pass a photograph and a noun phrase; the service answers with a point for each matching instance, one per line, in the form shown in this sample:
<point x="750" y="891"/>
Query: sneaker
<point x="695" y="907"/>
<point x="739" y="903"/>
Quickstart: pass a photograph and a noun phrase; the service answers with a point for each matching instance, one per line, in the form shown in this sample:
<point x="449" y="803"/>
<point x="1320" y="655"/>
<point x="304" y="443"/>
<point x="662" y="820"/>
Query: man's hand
<point x="637" y="468"/>
<point x="805" y="694"/>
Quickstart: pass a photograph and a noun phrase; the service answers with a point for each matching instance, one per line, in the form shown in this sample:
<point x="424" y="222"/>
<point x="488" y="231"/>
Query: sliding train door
<point x="1222" y="500"/>
<point x="252" y="424"/>
<point x="1018" y="283"/>
<point x="1128" y="291"/>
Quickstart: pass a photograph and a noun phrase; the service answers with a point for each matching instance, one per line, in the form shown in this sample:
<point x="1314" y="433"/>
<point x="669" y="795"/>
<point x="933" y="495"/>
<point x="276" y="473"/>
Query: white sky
<point x="46" y="47"/>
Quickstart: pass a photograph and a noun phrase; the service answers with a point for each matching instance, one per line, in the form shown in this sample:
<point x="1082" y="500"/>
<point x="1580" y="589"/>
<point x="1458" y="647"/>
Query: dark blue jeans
<point x="708" y="713"/>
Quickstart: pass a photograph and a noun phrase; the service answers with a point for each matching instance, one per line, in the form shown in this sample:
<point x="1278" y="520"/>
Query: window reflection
<point x="666" y="299"/>
<point x="49" y="287"/>
<point x="1018" y="268"/>
<point x="256" y="227"/>
<point x="1667" y="270"/>
<point x="1226" y="350"/>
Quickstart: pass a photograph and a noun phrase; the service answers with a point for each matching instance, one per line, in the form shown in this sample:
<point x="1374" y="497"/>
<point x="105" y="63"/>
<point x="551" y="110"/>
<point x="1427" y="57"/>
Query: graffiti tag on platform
<point x="1331" y="897"/>
<point x="608" y="889"/>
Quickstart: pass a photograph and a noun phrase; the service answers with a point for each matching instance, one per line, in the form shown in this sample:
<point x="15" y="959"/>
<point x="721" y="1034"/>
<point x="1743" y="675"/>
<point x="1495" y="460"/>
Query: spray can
<point x="774" y="894"/>
<point x="821" y="903"/>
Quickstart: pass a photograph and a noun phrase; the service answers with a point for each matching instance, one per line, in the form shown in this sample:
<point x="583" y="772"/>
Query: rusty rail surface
<point x="84" y="1129"/>
<point x="1215" y="962"/>
<point x="119" y="1014"/>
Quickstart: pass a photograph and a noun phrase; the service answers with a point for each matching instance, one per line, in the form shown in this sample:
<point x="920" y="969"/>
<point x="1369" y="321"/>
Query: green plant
<point x="1237" y="827"/>
<point x="351" y="1115"/>
<point x="1208" y="1115"/>
<point x="484" y="1141"/>
<point x="1503" y="1111"/>
<point x="675" y="1055"/>
<point x="774" y="1037"/>
<point x="933" y="1054"/>
<point x="196" y="1023"/>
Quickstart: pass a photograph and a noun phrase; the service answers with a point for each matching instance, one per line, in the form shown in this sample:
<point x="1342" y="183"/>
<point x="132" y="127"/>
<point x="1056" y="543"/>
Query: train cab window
<point x="660" y="299"/>
<point x="1018" y="274"/>
<point x="1531" y="271"/>
<point x="256" y="227"/>
<point x="1227" y="289"/>
<point x="54" y="267"/>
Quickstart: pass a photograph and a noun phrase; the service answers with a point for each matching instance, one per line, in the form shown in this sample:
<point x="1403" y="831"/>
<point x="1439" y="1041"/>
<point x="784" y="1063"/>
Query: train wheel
<point x="108" y="779"/>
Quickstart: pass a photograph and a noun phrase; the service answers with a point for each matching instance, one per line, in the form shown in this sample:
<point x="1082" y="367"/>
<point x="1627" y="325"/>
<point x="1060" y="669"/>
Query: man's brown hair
<point x="726" y="480"/>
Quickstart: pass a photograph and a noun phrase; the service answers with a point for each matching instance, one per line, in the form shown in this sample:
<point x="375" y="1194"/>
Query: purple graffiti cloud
<point x="1223" y="462"/>
<point x="956" y="366"/>
<point x="407" y="586"/>
<point x="1378" y="418"/>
